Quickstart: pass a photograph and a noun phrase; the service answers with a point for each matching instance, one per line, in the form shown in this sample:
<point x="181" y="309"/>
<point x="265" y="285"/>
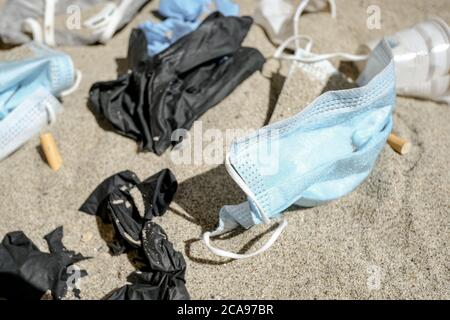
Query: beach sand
<point x="388" y="239"/>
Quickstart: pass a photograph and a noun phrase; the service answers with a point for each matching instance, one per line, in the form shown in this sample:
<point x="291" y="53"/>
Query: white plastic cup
<point x="422" y="58"/>
<point x="422" y="52"/>
<point x="437" y="89"/>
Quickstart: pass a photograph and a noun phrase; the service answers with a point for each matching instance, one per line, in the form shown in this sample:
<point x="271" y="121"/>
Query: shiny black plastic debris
<point x="174" y="88"/>
<point x="163" y="278"/>
<point x="26" y="273"/>
<point x="114" y="202"/>
<point x="131" y="205"/>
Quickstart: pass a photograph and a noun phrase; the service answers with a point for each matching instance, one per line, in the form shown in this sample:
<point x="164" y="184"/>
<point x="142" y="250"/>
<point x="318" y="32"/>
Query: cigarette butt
<point x="51" y="151"/>
<point x="400" y="145"/>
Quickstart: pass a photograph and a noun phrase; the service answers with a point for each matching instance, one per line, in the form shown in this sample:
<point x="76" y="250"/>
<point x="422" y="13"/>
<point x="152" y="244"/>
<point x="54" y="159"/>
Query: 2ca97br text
<point x="242" y="309"/>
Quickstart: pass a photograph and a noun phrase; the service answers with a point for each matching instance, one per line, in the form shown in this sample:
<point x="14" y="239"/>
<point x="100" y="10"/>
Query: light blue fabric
<point x="318" y="155"/>
<point x="161" y="35"/>
<point x="49" y="69"/>
<point x="27" y="95"/>
<point x="182" y="17"/>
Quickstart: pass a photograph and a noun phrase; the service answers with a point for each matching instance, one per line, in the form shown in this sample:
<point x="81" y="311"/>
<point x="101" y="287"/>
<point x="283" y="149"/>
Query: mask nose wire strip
<point x="311" y="58"/>
<point x="276" y="233"/>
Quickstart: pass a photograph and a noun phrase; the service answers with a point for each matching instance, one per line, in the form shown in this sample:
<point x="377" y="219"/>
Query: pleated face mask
<point x="27" y="94"/>
<point x="48" y="69"/>
<point x="65" y="22"/>
<point x="318" y="155"/>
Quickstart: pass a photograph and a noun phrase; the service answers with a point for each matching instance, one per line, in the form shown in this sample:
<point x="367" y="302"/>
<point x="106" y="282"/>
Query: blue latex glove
<point x="183" y="16"/>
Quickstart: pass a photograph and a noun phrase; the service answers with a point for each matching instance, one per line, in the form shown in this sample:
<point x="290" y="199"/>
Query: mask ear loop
<point x="76" y="85"/>
<point x="276" y="233"/>
<point x="51" y="113"/>
<point x="46" y="36"/>
<point x="33" y="26"/>
<point x="301" y="7"/>
<point x="333" y="8"/>
<point x="232" y="255"/>
<point x="49" y="22"/>
<point x="311" y="57"/>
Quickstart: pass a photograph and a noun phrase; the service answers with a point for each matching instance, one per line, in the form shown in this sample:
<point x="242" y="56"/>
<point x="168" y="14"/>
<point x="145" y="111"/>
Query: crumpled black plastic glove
<point x="113" y="202"/>
<point x="174" y="88"/>
<point x="163" y="278"/>
<point x="26" y="273"/>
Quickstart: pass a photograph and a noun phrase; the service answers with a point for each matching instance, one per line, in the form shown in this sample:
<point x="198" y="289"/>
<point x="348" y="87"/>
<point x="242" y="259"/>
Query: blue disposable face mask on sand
<point x="49" y="69"/>
<point x="183" y="16"/>
<point x="27" y="95"/>
<point x="318" y="155"/>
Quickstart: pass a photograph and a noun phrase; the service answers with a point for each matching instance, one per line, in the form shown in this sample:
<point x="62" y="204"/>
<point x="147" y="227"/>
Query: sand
<point x="388" y="239"/>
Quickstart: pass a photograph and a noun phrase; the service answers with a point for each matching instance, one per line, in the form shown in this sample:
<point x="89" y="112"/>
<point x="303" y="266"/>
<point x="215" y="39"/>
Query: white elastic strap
<point x="301" y="7"/>
<point x="51" y="113"/>
<point x="33" y="26"/>
<point x="279" y="53"/>
<point x="232" y="255"/>
<point x="49" y="22"/>
<point x="314" y="57"/>
<point x="76" y="85"/>
<point x="333" y="8"/>
<point x="281" y="225"/>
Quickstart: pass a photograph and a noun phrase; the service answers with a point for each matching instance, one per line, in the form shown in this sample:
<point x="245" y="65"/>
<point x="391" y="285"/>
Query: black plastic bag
<point x="26" y="273"/>
<point x="174" y="88"/>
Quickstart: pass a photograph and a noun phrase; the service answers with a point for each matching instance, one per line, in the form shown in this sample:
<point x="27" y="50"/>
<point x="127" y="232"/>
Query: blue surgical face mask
<point x="36" y="111"/>
<point x="182" y="17"/>
<point x="49" y="69"/>
<point x="191" y="10"/>
<point x="318" y="155"/>
<point x="65" y="22"/>
<point x="27" y="95"/>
